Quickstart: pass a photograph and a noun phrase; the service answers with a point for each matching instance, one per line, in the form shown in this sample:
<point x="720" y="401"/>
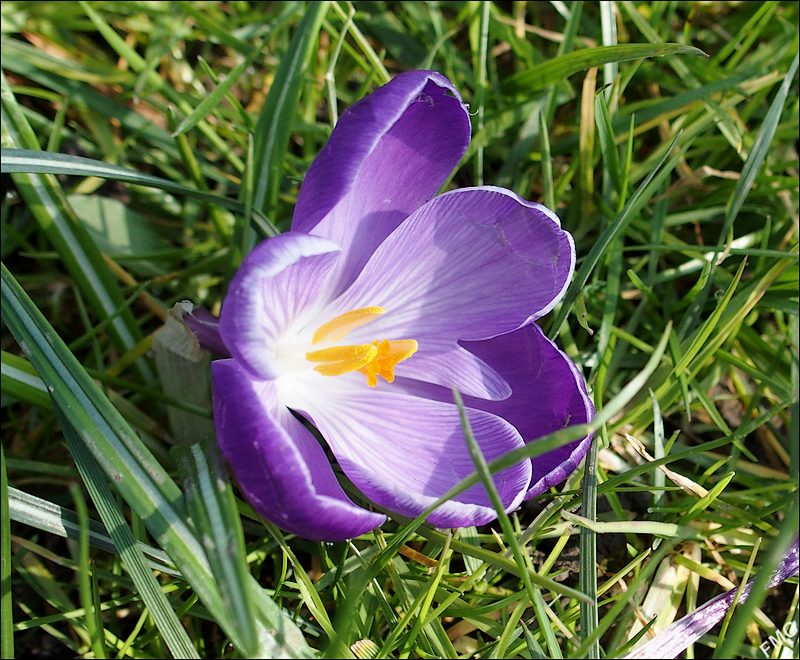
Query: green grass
<point x="149" y="146"/>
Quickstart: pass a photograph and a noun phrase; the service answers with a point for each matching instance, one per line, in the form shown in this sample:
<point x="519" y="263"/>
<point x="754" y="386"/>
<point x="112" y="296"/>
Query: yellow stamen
<point x="389" y="355"/>
<point x="341" y="326"/>
<point x="376" y="359"/>
<point x="339" y="360"/>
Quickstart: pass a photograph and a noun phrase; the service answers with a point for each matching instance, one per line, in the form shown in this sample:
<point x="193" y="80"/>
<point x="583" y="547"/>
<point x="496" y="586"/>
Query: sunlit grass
<point x="675" y="171"/>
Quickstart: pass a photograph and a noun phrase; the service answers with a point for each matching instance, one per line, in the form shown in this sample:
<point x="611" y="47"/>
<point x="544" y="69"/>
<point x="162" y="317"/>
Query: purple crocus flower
<point x="678" y="636"/>
<point x="379" y="300"/>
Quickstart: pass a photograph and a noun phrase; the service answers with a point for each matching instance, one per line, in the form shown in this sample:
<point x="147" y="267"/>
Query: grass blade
<point x="479" y="35"/>
<point x="91" y="608"/>
<point x="57" y="220"/>
<point x="6" y="601"/>
<point x="277" y="116"/>
<point x="46" y="162"/>
<point x="743" y="186"/>
<point x="588" y="554"/>
<point x="141" y="480"/>
<point x="216" y="521"/>
<point x="18" y="379"/>
<point x="215" y="97"/>
<point x="647" y="188"/>
<point x="132" y="557"/>
<point x="758" y="153"/>
<point x="745" y="611"/>
<point x="562" y="67"/>
<point x="608" y="22"/>
<point x="608" y="146"/>
<point x="482" y="468"/>
<point x="54" y="519"/>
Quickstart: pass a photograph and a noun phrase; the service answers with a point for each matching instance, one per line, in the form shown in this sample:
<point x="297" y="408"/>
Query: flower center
<point x="376" y="359"/>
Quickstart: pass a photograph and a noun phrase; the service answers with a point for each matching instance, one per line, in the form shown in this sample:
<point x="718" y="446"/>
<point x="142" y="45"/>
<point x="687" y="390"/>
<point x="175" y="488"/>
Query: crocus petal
<point x="277" y="283"/>
<point x="677" y="637"/>
<point x="403" y="452"/>
<point x="470" y="264"/>
<point x="548" y="393"/>
<point x="205" y="326"/>
<point x="280" y="467"/>
<point x="388" y="154"/>
<point x="450" y="365"/>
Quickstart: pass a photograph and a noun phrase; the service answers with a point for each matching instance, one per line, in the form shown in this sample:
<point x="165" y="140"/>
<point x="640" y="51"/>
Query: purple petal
<point x="678" y="636"/>
<point x="280" y="467"/>
<point x="548" y="394"/>
<point x="205" y="326"/>
<point x="403" y="452"/>
<point x="452" y="366"/>
<point x="388" y="155"/>
<point x="276" y="284"/>
<point x="469" y="265"/>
